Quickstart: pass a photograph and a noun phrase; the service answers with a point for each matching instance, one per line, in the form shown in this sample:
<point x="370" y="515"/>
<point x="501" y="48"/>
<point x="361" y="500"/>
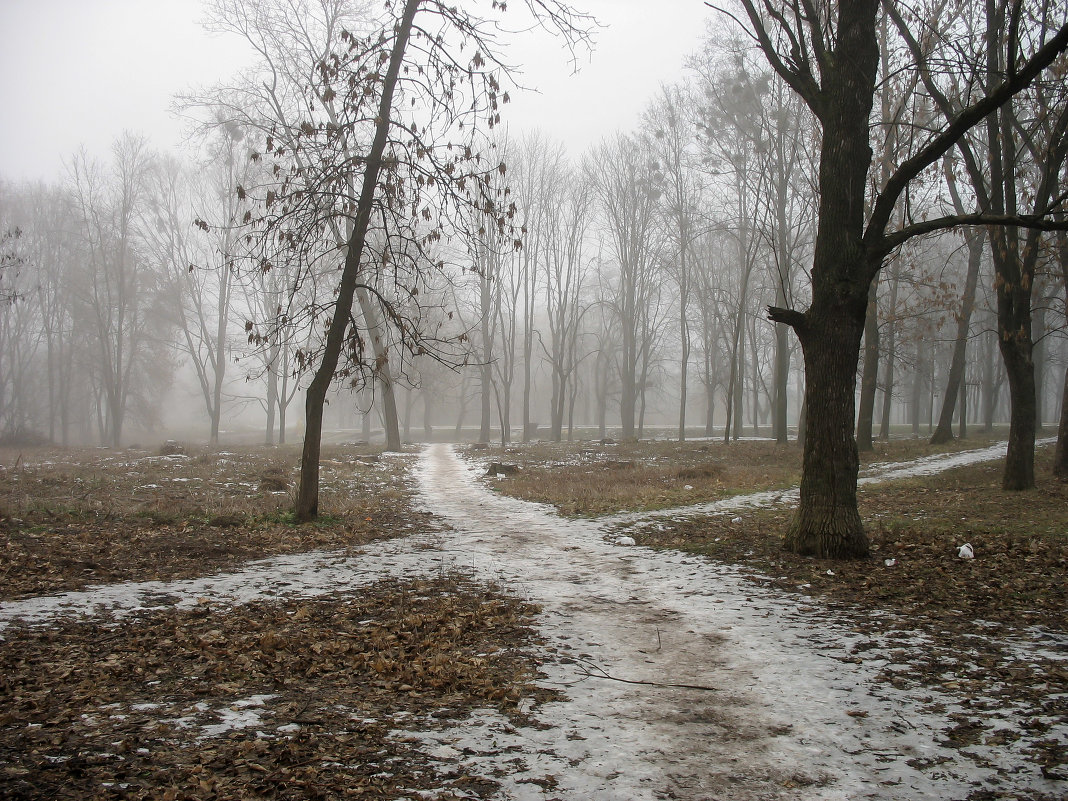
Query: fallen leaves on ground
<point x="268" y="700"/>
<point x="69" y="519"/>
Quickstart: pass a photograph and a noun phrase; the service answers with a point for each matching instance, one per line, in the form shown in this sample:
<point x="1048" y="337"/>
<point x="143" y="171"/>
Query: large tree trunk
<point x="869" y="381"/>
<point x="1014" y="339"/>
<point x="1060" y="455"/>
<point x="828" y="523"/>
<point x="1020" y="457"/>
<point x="307" y="501"/>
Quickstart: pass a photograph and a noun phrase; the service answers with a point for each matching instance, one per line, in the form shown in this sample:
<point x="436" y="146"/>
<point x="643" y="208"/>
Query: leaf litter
<point x="787" y="707"/>
<point x="71" y="519"/>
<point x="290" y="699"/>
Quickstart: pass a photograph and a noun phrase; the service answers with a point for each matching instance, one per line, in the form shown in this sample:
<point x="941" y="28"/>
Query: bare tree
<point x="673" y="141"/>
<point x="360" y="158"/>
<point x="569" y="213"/>
<point x="627" y="184"/>
<point x="1026" y="126"/>
<point x="191" y="225"/>
<point x="974" y="239"/>
<point x="119" y="290"/>
<point x="829" y="56"/>
<point x="20" y="331"/>
<point x="49" y="247"/>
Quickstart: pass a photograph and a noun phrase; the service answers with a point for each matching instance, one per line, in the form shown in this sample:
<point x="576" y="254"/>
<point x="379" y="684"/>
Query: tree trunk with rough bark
<point x="869" y="381"/>
<point x="1020" y="456"/>
<point x="1060" y="455"/>
<point x="828" y="522"/>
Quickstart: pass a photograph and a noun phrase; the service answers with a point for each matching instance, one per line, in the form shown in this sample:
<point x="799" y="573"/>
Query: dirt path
<point x="778" y="713"/>
<point x="785" y="717"/>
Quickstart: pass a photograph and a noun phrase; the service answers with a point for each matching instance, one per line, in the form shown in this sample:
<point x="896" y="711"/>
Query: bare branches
<point x="794" y="70"/>
<point x="1036" y="222"/>
<point x="957" y="127"/>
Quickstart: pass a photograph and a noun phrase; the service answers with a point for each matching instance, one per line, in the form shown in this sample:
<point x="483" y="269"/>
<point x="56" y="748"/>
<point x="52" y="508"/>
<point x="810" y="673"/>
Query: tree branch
<point x="791" y="317"/>
<point x="1033" y="221"/>
<point x="799" y="77"/>
<point x="875" y="237"/>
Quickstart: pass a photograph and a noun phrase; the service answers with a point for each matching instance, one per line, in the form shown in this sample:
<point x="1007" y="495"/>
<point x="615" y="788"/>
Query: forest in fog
<point x="513" y="287"/>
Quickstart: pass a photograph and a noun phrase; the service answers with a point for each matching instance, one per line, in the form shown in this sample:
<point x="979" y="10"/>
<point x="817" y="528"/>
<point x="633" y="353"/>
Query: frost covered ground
<point x="680" y="678"/>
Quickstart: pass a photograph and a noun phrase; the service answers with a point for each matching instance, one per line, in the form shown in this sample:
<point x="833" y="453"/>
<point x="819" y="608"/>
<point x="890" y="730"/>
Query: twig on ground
<point x="591" y="670"/>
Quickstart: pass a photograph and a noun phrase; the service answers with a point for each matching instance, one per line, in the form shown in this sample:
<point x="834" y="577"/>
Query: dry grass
<point x="589" y="478"/>
<point x="77" y="517"/>
<point x="585" y="478"/>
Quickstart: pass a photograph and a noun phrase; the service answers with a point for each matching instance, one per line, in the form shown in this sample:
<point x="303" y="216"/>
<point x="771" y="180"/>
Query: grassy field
<point x="77" y="517"/>
<point x="590" y="478"/>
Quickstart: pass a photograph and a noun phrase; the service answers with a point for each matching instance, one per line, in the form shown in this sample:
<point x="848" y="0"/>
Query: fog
<point x="175" y="205"/>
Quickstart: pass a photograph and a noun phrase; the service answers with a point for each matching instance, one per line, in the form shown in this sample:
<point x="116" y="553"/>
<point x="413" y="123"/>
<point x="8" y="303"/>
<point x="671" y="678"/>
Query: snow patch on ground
<point x="682" y="679"/>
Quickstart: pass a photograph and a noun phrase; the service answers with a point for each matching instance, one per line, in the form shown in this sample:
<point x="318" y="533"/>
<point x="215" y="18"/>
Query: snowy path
<point x="872" y="474"/>
<point x="785" y="718"/>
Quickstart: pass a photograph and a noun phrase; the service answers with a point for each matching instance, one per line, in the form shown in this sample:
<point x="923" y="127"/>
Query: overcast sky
<point x="79" y="72"/>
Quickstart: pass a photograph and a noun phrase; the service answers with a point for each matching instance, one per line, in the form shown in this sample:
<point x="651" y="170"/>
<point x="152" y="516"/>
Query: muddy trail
<point x="681" y="678"/>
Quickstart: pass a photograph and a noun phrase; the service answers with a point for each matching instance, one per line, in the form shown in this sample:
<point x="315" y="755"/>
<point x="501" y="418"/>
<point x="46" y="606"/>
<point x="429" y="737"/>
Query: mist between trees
<point x="886" y="174"/>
